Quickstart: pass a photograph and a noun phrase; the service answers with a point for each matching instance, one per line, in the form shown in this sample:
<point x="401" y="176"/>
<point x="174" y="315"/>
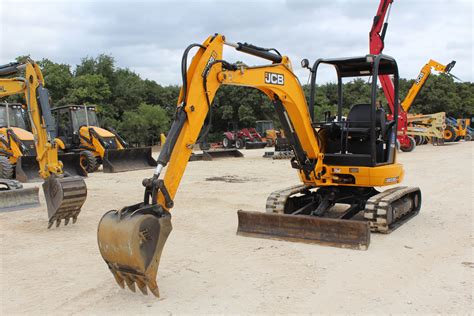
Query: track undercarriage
<point x="335" y="216"/>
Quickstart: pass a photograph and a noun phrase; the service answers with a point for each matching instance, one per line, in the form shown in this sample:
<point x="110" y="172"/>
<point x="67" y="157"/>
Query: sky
<point x="149" y="37"/>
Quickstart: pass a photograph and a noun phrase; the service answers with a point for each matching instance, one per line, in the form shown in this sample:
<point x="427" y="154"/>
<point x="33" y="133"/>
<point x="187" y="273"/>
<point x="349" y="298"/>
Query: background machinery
<point x="407" y="127"/>
<point x="65" y="194"/>
<point x="78" y="128"/>
<point x="247" y="137"/>
<point x="341" y="161"/>
<point x="457" y="129"/>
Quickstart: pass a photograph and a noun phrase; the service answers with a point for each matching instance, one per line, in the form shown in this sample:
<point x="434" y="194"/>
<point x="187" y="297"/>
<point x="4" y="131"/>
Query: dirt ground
<point x="426" y="266"/>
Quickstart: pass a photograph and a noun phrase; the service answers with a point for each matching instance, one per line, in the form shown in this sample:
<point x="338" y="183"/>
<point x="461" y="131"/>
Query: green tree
<point x="144" y="125"/>
<point x="58" y="79"/>
<point x="88" y="89"/>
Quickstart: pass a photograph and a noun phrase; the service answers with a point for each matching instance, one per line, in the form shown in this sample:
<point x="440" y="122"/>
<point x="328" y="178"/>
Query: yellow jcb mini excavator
<point x="65" y="194"/>
<point x="340" y="161"/>
<point x="79" y="129"/>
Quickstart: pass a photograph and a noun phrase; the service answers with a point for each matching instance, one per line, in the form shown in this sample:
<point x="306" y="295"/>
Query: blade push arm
<point x="205" y="75"/>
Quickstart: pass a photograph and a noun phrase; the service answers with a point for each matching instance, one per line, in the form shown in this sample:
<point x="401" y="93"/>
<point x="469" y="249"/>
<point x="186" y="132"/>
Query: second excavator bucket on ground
<point x="64" y="198"/>
<point x="27" y="168"/>
<point x="14" y="197"/>
<point x="128" y="159"/>
<point x="341" y="233"/>
<point x="131" y="242"/>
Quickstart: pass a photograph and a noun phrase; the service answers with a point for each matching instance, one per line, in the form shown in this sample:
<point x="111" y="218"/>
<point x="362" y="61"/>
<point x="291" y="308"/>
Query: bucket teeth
<point x="154" y="288"/>
<point x="118" y="278"/>
<point x="58" y="222"/>
<point x="130" y="283"/>
<point x="66" y="221"/>
<point x="141" y="285"/>
<point x="74" y="219"/>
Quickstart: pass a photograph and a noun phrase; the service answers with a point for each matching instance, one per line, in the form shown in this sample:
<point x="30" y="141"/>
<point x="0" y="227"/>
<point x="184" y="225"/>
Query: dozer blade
<point x="222" y="153"/>
<point x="128" y="159"/>
<point x="255" y="145"/>
<point x="341" y="233"/>
<point x="64" y="198"/>
<point x="27" y="167"/>
<point x="14" y="197"/>
<point x="131" y="242"/>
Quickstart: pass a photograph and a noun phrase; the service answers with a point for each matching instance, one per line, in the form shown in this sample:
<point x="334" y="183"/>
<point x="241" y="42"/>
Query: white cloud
<point x="150" y="36"/>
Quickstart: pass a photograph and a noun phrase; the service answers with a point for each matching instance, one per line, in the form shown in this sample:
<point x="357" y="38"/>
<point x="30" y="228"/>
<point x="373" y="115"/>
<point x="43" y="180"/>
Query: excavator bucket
<point x="131" y="242"/>
<point x="119" y="160"/>
<point x="27" y="168"/>
<point x="64" y="198"/>
<point x="343" y="233"/>
<point x="14" y="197"/>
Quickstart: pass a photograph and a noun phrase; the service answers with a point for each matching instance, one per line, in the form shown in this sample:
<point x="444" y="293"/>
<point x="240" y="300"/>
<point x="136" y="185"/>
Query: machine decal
<point x="274" y="78"/>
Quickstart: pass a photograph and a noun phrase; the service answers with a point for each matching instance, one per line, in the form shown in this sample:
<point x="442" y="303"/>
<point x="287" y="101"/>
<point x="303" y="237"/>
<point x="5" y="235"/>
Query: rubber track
<point x="378" y="207"/>
<point x="277" y="199"/>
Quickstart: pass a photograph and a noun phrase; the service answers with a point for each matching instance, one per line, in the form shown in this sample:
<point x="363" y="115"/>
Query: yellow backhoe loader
<point x="65" y="193"/>
<point x="338" y="162"/>
<point x="79" y="129"/>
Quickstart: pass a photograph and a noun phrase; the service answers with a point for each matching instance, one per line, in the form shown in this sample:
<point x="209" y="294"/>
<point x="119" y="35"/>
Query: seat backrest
<point x="359" y="115"/>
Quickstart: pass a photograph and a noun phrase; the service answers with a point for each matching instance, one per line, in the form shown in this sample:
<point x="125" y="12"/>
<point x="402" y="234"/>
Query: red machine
<point x="246" y="137"/>
<point x="376" y="40"/>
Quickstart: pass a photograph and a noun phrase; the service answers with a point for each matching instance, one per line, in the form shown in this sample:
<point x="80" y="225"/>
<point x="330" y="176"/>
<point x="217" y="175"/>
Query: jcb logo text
<point x="273" y="78"/>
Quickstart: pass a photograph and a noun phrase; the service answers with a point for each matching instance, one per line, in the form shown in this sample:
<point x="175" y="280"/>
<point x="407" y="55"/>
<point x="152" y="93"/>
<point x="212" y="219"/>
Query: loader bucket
<point x="64" y="198"/>
<point x="131" y="242"/>
<point x="27" y="167"/>
<point x="128" y="159"/>
<point x="14" y="197"/>
<point x="72" y="165"/>
<point x="255" y="145"/>
<point x="341" y="233"/>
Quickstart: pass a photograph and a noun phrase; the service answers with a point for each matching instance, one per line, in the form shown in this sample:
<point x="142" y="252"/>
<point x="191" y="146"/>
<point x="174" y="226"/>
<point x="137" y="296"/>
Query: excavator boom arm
<point x="206" y="74"/>
<point x="421" y="80"/>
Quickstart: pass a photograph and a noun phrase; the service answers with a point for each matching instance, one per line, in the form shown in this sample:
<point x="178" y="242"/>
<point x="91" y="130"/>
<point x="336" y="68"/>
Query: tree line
<point x="140" y="109"/>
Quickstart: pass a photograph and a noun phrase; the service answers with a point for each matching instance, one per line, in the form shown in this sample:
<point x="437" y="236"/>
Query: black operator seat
<point x="359" y="120"/>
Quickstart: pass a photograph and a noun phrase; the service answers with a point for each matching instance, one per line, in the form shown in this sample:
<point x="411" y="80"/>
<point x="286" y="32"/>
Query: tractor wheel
<point x="468" y="138"/>
<point x="418" y="140"/>
<point x="449" y="134"/>
<point x="88" y="161"/>
<point x="226" y="143"/>
<point x="239" y="143"/>
<point x="6" y="168"/>
<point x="410" y="147"/>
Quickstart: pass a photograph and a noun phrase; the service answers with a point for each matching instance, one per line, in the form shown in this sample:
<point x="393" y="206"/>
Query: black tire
<point x="418" y="140"/>
<point x="468" y="138"/>
<point x="227" y="143"/>
<point x="88" y="161"/>
<point x="410" y="147"/>
<point x="449" y="134"/>
<point x="6" y="168"/>
<point x="239" y="143"/>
